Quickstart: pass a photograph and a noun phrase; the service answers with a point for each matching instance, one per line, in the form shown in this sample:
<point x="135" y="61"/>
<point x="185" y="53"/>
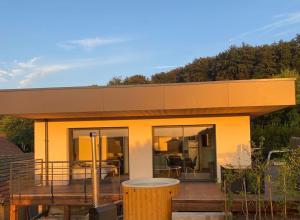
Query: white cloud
<point x="3" y="75"/>
<point x="90" y="43"/>
<point x="42" y="71"/>
<point x="26" y="72"/>
<point x="283" y="21"/>
<point x="3" y="72"/>
<point x="27" y="64"/>
<point x="30" y="70"/>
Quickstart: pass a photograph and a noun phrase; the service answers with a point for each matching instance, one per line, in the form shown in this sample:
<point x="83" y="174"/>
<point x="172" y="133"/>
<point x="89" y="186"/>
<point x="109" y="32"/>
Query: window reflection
<point x="186" y="152"/>
<point x="114" y="147"/>
<point x="112" y="150"/>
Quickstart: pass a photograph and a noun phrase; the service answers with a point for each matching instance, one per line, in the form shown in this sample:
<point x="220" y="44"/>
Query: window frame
<point x="71" y="159"/>
<point x="189" y="125"/>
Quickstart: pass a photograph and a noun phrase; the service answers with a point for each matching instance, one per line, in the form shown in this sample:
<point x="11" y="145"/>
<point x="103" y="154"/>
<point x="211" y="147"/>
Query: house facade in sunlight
<point x="186" y="131"/>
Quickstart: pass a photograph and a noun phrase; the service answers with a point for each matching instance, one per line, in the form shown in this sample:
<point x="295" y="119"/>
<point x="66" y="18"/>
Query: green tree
<point x="281" y="59"/>
<point x="117" y="80"/>
<point x="18" y="131"/>
<point x="136" y="79"/>
<point x="279" y="127"/>
<point x="163" y="77"/>
<point x="130" y="80"/>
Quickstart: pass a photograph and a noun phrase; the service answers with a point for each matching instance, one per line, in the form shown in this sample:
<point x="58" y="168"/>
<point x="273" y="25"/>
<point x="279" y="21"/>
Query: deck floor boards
<point x="199" y="191"/>
<point x="72" y="194"/>
<point x="193" y="196"/>
<point x="208" y="197"/>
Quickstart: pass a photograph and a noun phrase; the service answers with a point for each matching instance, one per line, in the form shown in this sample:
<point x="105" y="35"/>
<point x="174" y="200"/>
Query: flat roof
<point x="253" y="97"/>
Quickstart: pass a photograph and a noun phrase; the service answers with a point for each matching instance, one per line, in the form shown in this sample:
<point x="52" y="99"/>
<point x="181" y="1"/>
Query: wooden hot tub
<point x="149" y="199"/>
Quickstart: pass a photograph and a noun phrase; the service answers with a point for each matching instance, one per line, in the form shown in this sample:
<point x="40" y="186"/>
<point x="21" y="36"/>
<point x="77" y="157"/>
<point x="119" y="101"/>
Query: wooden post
<point x="41" y="208"/>
<point x="13" y="212"/>
<point x="67" y="213"/>
<point x="2" y="211"/>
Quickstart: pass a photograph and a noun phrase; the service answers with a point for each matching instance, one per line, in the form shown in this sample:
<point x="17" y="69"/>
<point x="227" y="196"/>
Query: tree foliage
<point x="18" y="131"/>
<point x="244" y="62"/>
<point x="281" y="59"/>
<point x="135" y="79"/>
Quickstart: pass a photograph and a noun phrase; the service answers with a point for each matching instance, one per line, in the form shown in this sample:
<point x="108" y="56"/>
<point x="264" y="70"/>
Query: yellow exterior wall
<point x="232" y="139"/>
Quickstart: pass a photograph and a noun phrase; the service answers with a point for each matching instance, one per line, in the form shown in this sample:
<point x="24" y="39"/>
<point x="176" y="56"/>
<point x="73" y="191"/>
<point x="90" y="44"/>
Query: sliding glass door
<point x="184" y="152"/>
<point x="112" y="150"/>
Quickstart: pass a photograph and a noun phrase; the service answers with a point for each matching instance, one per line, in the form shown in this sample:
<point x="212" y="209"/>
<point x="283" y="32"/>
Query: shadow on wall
<point x="140" y="160"/>
<point x="240" y="157"/>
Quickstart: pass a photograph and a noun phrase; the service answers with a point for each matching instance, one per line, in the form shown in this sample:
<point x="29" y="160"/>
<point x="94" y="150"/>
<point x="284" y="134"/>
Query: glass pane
<point x="185" y="152"/>
<point x="114" y="148"/>
<point x="83" y="132"/>
<point x="114" y="132"/>
<point x="198" y="152"/>
<point x="168" y="139"/>
<point x="168" y="131"/>
<point x="82" y="148"/>
<point x="167" y="143"/>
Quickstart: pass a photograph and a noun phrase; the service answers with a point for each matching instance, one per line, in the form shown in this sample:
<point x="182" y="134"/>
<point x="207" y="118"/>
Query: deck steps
<point x="198" y="216"/>
<point x="181" y="205"/>
<point x="199" y="197"/>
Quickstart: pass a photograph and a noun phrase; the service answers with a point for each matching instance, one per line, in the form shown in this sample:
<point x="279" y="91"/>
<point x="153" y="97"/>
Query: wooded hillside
<point x="244" y="62"/>
<point x="280" y="59"/>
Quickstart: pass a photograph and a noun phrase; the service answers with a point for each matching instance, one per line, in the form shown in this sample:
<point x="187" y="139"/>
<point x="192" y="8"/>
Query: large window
<point x="185" y="152"/>
<point x="112" y="147"/>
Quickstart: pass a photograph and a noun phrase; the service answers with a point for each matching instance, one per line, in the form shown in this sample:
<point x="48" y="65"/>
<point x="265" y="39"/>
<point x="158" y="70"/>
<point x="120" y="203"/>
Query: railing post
<point x="119" y="172"/>
<point x="42" y="173"/>
<point x="52" y="196"/>
<point x="27" y="173"/>
<point x="13" y="212"/>
<point x="85" y="196"/>
<point x="71" y="165"/>
<point x="19" y="187"/>
<point x="11" y="181"/>
<point x="46" y="152"/>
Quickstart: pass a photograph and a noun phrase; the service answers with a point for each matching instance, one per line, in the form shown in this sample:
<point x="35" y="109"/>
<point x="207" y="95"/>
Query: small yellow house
<point x="185" y="130"/>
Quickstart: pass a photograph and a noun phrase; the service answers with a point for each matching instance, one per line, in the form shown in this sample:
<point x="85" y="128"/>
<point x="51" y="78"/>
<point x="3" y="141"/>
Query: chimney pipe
<point x="95" y="179"/>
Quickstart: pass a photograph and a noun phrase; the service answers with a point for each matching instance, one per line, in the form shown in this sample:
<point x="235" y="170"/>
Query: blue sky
<point x="75" y="43"/>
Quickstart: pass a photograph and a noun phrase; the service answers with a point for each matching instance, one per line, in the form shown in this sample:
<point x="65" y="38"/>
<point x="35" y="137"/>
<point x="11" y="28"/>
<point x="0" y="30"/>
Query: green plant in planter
<point x="244" y="192"/>
<point x="288" y="181"/>
<point x="259" y="166"/>
<point x="229" y="178"/>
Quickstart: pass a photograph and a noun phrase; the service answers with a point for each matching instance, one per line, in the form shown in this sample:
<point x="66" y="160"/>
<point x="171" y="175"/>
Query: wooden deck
<point x="72" y="194"/>
<point x="194" y="196"/>
<point x="208" y="197"/>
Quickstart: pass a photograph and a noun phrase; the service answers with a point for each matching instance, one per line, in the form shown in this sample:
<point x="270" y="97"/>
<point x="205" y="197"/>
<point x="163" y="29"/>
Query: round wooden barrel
<point x="149" y="199"/>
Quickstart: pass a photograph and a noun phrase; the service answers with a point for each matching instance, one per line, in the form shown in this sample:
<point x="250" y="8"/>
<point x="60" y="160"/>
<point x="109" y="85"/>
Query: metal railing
<point x="5" y="161"/>
<point x="63" y="178"/>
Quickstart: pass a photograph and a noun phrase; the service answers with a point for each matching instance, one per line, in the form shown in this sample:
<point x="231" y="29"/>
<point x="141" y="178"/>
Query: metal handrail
<point x="34" y="177"/>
